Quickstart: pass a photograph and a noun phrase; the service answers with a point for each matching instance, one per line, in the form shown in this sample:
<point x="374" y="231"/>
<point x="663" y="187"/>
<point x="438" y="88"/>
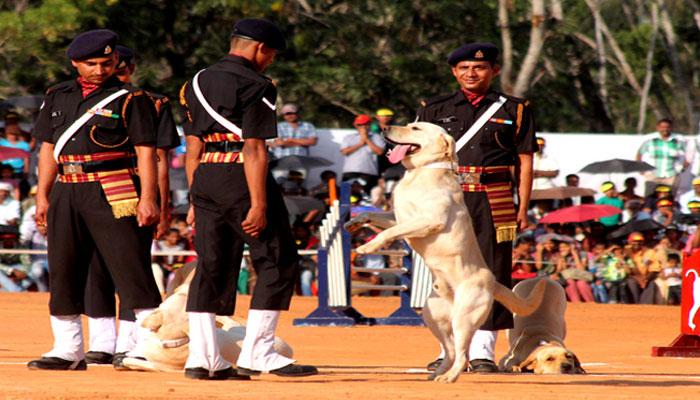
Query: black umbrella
<point x="688" y="219"/>
<point x="299" y="162"/>
<point x="616" y="166"/>
<point x="637" y="225"/>
<point x="299" y="205"/>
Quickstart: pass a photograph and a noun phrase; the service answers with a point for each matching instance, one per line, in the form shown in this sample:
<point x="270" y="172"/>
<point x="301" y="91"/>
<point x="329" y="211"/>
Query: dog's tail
<point x="517" y="304"/>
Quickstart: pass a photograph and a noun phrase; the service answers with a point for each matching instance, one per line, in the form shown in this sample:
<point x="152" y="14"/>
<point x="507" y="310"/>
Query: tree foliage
<point x="348" y="57"/>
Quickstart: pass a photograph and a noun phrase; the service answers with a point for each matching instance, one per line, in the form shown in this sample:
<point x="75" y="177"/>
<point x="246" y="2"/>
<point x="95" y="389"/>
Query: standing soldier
<point x="96" y="132"/>
<point x="230" y="109"/>
<point x="106" y="347"/>
<point x="495" y="140"/>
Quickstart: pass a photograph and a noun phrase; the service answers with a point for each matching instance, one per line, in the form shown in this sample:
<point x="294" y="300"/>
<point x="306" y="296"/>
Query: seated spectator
<point x="633" y="211"/>
<point x="611" y="198"/>
<point x="671" y="274"/>
<point x="573" y="272"/>
<point x="660" y="192"/>
<point x="322" y="190"/>
<point x="33" y="237"/>
<point x="163" y="266"/>
<point x="691" y="195"/>
<point x="645" y="266"/>
<point x="305" y="240"/>
<point x="523" y="261"/>
<point x="9" y="207"/>
<point x="615" y="270"/>
<point x="14" y="272"/>
<point x="665" y="213"/>
<point x="544" y="252"/>
<point x="13" y="138"/>
<point x="596" y="265"/>
<point x="629" y="193"/>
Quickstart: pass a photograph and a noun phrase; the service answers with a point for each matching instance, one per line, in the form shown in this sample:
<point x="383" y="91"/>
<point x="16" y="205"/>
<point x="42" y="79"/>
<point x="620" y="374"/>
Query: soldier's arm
<point x="255" y="167"/>
<point x="524" y="188"/>
<point x="526" y="145"/>
<point x="162" y="166"/>
<point x="48" y="169"/>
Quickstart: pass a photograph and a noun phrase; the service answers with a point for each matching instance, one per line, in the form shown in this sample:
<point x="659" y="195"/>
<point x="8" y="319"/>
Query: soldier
<point x="106" y="347"/>
<point x="495" y="136"/>
<point x="230" y="110"/>
<point x="96" y="131"/>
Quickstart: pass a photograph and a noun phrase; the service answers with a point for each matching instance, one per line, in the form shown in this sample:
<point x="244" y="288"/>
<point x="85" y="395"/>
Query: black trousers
<point x="81" y="224"/>
<point x="100" y="299"/>
<point x="221" y="202"/>
<point x="498" y="256"/>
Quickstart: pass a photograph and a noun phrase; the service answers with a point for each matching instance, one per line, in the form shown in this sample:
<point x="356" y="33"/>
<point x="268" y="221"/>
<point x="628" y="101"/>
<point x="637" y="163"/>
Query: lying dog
<point x="167" y="349"/>
<point x="537" y="340"/>
<point x="432" y="217"/>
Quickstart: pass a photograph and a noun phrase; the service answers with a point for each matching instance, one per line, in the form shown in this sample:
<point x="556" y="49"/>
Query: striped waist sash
<point x="499" y="194"/>
<point x="118" y="185"/>
<point x="219" y="156"/>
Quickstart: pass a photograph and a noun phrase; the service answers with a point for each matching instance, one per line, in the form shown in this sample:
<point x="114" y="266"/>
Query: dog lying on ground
<point x="167" y="349"/>
<point x="432" y="217"/>
<point x="537" y="340"/>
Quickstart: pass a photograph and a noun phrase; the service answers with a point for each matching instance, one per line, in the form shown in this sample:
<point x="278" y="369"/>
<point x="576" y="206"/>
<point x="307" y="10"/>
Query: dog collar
<point x="171" y="344"/>
<point x="439" y="165"/>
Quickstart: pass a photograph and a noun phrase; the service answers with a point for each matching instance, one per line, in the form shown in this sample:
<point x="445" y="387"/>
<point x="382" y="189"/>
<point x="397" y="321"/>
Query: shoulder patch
<point x="183" y="100"/>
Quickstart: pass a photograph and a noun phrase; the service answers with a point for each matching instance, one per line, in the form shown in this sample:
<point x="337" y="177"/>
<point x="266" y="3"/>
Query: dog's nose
<point x="567" y="368"/>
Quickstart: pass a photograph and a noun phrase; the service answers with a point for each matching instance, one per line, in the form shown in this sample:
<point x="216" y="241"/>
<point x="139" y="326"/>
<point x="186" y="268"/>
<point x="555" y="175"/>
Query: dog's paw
<point x="447" y="378"/>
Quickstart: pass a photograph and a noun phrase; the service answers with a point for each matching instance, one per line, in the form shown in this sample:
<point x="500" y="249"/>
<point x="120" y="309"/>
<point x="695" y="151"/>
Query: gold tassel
<point x="506" y="233"/>
<point x="124" y="208"/>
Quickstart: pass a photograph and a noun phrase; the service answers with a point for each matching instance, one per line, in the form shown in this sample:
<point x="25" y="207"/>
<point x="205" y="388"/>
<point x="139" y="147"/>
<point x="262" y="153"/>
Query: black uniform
<point x="221" y="199"/>
<point x="99" y="293"/>
<point x="511" y="131"/>
<point x="80" y="220"/>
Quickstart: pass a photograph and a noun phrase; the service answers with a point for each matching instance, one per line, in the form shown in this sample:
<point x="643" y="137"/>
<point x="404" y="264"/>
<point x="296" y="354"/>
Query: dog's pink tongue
<point x="398" y="153"/>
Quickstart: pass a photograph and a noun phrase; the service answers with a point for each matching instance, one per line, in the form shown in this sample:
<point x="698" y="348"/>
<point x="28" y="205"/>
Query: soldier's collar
<point x="239" y="60"/>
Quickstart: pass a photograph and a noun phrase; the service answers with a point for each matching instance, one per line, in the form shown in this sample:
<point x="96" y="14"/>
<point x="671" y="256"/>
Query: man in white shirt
<point x="9" y="207"/>
<point x="545" y="168"/>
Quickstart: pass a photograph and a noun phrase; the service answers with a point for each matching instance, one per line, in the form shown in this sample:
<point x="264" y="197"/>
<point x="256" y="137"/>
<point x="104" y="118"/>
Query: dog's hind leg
<point x="437" y="317"/>
<point x="472" y="302"/>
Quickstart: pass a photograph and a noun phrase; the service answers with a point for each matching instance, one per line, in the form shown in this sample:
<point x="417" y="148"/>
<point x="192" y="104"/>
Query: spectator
<point x="661" y="191"/>
<point x="384" y="120"/>
<point x="13" y="138"/>
<point x="163" y="266"/>
<point x="305" y="240"/>
<point x="361" y="150"/>
<point x="615" y="271"/>
<point x="633" y="211"/>
<point x="645" y="266"/>
<point x="611" y="198"/>
<point x="294" y="136"/>
<point x="665" y="213"/>
<point x="322" y="190"/>
<point x="596" y="266"/>
<point x="667" y="153"/>
<point x="34" y="237"/>
<point x="545" y="168"/>
<point x="12" y="122"/>
<point x="629" y="193"/>
<point x="671" y="274"/>
<point x="574" y="273"/>
<point x="544" y="254"/>
<point x="691" y="195"/>
<point x="9" y="207"/>
<point x="523" y="261"/>
<point x="572" y="180"/>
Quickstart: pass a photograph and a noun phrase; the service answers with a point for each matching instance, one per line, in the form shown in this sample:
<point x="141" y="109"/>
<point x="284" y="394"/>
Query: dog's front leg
<point x="416" y="228"/>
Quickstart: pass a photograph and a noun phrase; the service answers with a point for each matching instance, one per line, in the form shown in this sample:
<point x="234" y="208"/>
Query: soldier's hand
<point x="522" y="220"/>
<point x="147" y="213"/>
<point x="255" y="221"/>
<point x="42" y="208"/>
<point x="190" y="216"/>
<point x="162" y="228"/>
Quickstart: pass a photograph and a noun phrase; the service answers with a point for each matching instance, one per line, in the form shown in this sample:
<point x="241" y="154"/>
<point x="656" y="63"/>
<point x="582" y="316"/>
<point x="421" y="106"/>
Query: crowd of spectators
<point x="630" y="257"/>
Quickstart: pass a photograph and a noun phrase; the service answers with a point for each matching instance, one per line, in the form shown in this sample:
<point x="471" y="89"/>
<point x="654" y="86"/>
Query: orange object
<point x="332" y="191"/>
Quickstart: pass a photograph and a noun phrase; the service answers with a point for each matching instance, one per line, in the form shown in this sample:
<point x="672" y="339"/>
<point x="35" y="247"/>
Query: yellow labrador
<point x="537" y="340"/>
<point x="432" y="217"/>
<point x="167" y="348"/>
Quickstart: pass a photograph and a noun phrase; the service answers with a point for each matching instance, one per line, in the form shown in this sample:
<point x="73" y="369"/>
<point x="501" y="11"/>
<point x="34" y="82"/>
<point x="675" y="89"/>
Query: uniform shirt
<point x="132" y="120"/>
<point x="511" y="131"/>
<point x="666" y="156"/>
<point x="166" y="134"/>
<point x="238" y="93"/>
<point x="285" y="130"/>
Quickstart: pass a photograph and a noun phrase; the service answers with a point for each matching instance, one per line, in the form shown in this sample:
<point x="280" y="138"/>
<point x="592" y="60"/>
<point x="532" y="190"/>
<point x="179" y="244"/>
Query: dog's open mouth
<point x="400" y="150"/>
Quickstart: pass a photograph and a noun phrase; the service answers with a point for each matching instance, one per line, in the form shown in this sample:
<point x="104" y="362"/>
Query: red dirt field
<point x="612" y="341"/>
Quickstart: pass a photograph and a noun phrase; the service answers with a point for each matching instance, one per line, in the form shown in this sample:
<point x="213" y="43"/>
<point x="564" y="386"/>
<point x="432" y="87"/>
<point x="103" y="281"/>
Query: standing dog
<point x="537" y="340"/>
<point x="432" y="217"/>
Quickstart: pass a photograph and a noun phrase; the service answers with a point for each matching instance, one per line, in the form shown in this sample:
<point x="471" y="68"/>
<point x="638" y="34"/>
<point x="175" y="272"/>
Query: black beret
<point x="260" y="30"/>
<point x="92" y="44"/>
<point x="474" y="52"/>
<point x="126" y="56"/>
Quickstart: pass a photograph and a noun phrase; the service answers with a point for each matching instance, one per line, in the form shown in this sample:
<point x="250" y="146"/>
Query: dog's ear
<point x="449" y="148"/>
<point x="154" y="321"/>
<point x="578" y="369"/>
<point x="530" y="363"/>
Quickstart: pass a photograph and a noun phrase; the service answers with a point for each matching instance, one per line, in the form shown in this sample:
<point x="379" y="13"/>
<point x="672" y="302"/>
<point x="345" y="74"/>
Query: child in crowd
<point x="615" y="270"/>
<point x="671" y="273"/>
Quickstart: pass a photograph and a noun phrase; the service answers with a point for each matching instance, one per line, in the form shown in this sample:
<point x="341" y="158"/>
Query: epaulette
<point x="437" y="99"/>
<point x="183" y="100"/>
<point x="518" y="100"/>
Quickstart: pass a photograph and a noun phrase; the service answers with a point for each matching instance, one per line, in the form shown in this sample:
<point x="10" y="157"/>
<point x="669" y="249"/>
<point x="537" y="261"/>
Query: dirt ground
<point x="612" y="341"/>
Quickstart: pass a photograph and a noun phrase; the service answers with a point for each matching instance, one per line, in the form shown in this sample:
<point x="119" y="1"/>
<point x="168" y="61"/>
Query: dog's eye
<point x="415" y="128"/>
<point x="550" y="359"/>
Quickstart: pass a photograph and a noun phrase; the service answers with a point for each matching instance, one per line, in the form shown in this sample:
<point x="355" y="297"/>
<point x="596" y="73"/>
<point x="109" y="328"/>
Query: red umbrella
<point x="7" y="153"/>
<point x="584" y="212"/>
